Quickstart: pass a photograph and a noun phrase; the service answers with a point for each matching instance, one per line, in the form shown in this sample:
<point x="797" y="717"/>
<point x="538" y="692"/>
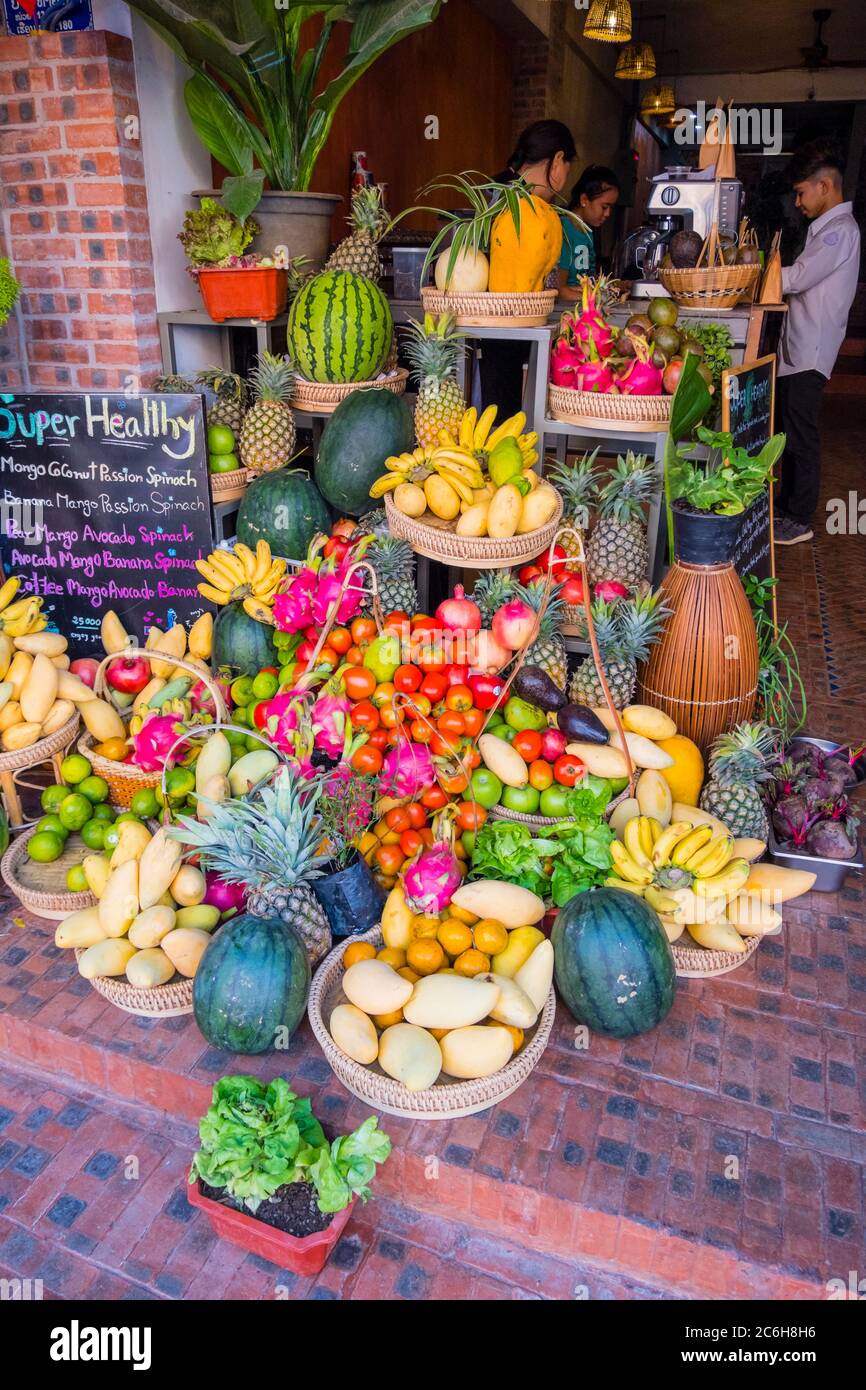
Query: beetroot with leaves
<point x="829" y="839"/>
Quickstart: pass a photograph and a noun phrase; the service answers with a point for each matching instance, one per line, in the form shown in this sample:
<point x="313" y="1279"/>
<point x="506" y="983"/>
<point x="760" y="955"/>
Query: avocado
<point x="580" y="724"/>
<point x="535" y="686"/>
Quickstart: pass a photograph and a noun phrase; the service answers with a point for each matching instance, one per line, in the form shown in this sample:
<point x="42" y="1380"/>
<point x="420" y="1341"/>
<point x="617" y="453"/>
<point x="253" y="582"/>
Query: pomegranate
<point x="487" y="653"/>
<point x="459" y="613"/>
<point x="128" y="674"/>
<point x="572" y="590"/>
<point x="85" y="668"/>
<point x="553" y="743"/>
<point x="610" y="589"/>
<point x="514" y="625"/>
<point x="673" y="372"/>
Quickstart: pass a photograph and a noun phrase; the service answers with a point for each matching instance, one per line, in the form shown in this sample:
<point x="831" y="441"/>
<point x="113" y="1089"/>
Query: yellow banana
<point x="260" y="611"/>
<point x="459" y="484"/>
<point x="264" y="561"/>
<point x="25" y="620"/>
<point x="467" y="427"/>
<point x="224" y="562"/>
<point x="420" y="455"/>
<point x="530" y="459"/>
<point x="470" y="471"/>
<point x="247" y="559"/>
<point x="14" y="610"/>
<point x="213" y="595"/>
<point x="627" y="867"/>
<point x="632" y="840"/>
<point x="9" y="590"/>
<point x="668" y="839"/>
<point x="636" y="888"/>
<point x="528" y="441"/>
<point x="215" y="577"/>
<point x="725" y="884"/>
<point x="660" y="900"/>
<point x="386" y="484"/>
<point x="512" y="428"/>
<point x="273" y="576"/>
<point x="710" y="860"/>
<point x="683" y="852"/>
<point x="483" y="428"/>
<point x="649" y="833"/>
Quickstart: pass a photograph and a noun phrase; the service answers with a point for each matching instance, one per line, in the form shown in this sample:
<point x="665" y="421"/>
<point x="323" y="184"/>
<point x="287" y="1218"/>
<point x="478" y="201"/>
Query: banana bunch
<point x="243" y="576"/>
<point x="686" y="872"/>
<point x="453" y="464"/>
<point x="24" y="615"/>
<point x="477" y="435"/>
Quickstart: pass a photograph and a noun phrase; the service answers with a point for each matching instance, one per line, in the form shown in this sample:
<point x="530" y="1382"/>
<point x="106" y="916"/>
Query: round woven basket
<point x="698" y="963"/>
<point x="163" y="1001"/>
<point x="41" y="888"/>
<point x="545" y="822"/>
<point x="42" y="750"/>
<point x="447" y="1100"/>
<point x="491" y="310"/>
<point x="721" y="288"/>
<point x="229" y="487"/>
<point x="588" y="407"/>
<point x="438" y="541"/>
<point x="322" y="398"/>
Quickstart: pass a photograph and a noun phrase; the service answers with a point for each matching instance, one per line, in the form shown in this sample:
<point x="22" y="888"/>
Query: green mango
<point x="520" y="715"/>
<point x="505" y="462"/>
<point x="384" y="656"/>
<point x="175" y="690"/>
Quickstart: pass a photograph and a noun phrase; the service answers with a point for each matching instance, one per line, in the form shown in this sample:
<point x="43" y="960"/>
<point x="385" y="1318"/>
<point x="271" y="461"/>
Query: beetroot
<point x="829" y="840"/>
<point x="843" y="768"/>
<point x="791" y="820"/>
<point x="826" y="787"/>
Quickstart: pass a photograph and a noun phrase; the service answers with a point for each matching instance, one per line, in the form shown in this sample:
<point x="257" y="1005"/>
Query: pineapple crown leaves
<point x="391" y="557"/>
<point x="368" y="213"/>
<point x="533" y="596"/>
<point x="626" y="629"/>
<point x="169" y="385"/>
<point x="271" y="379"/>
<point x="492" y="589"/>
<point x="487" y="198"/>
<point x="744" y="756"/>
<point x="630" y="484"/>
<point x="226" y="386"/>
<point x="434" y="348"/>
<point x="579" y="487"/>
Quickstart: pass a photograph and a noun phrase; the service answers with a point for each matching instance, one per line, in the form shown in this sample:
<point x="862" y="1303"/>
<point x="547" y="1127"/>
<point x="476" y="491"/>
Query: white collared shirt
<point x="820" y="288"/>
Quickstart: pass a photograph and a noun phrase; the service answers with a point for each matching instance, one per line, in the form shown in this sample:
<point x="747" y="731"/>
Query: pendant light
<point x="659" y="101"/>
<point x="608" y="21"/>
<point x="636" y="62"/>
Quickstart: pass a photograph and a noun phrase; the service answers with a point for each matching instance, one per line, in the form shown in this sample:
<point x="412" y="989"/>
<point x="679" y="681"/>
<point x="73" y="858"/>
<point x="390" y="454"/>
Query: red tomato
<point x="259" y="714"/>
<point x="340" y="639"/>
<point x="451" y="723"/>
<point x="417" y="815"/>
<point x="457" y="675"/>
<point x="423" y="623"/>
<point x="410" y="842"/>
<point x="567" y="769"/>
<point x="407" y="679"/>
<point x="365" y="716"/>
<point x="335" y="546"/>
<point x="540" y="775"/>
<point x="528" y="744"/>
<point x="383" y="694"/>
<point x="441" y="747"/>
<point x="396" y="620"/>
<point x="421" y="704"/>
<point x="469" y="816"/>
<point x="458" y="697"/>
<point x="434" y="799"/>
<point x="398" y="819"/>
<point x="378" y="739"/>
<point x="390" y="716"/>
<point x="454" y="783"/>
<point x="420" y="731"/>
<point x="472" y="758"/>
<point x="359" y="682"/>
<point x="367" y="761"/>
<point x="363" y="630"/>
<point x="486" y="691"/>
<point x="432" y="660"/>
<point x="355" y="657"/>
<point x="328" y="657"/>
<point x="389" y="858"/>
<point x="434" y="687"/>
<point x="474" y="721"/>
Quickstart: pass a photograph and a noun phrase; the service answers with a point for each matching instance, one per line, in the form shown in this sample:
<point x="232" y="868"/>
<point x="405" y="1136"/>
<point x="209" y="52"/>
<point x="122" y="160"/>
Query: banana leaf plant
<point x="255" y="96"/>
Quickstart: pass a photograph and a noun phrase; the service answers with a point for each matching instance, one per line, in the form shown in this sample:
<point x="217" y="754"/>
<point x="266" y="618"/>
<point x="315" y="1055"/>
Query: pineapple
<point x="394" y="563"/>
<point x="269" y="841"/>
<point x="739" y="763"/>
<point x="268" y="435"/>
<point x="359" y="252"/>
<point x="579" y="490"/>
<point x="625" y="631"/>
<point x="492" y="589"/>
<point x="618" y="548"/>
<point x="374" y="522"/>
<point x="548" y="649"/>
<point x="434" y="349"/>
<point x="230" y="398"/>
<point x="174" y="384"/>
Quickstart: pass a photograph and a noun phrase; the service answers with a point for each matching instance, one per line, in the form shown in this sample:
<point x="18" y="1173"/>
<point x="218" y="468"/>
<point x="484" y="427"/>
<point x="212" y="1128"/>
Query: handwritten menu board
<point x="105" y="503"/>
<point x="748" y="410"/>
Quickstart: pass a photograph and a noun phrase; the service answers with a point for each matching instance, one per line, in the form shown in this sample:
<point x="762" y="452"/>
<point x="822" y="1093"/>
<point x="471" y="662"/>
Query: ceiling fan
<point x="816" y="57"/>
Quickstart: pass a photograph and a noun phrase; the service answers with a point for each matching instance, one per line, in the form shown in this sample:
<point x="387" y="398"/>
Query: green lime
<point x="242" y="690"/>
<point x="52" y="796"/>
<point x="54" y="825"/>
<point x="127" y="815"/>
<point x="93" y="833"/>
<point x="220" y="439"/>
<point x="102" y="811"/>
<point x="76" y="879"/>
<point x="112" y="835"/>
<point x="179" y="783"/>
<point x="75" y="811"/>
<point x="45" y="847"/>
<point x="265" y="685"/>
<point x="238" y="741"/>
<point x="94" y="788"/>
<point x="144" y="803"/>
<point x="240" y="715"/>
<point x="254" y="744"/>
<point x="75" y="768"/>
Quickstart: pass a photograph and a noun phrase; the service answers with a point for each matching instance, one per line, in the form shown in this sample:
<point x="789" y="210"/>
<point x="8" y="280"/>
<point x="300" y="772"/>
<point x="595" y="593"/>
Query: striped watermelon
<point x="340" y="328"/>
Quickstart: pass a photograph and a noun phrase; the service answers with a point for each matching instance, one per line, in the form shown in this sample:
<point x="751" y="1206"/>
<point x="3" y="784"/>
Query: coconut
<point x="685" y="247"/>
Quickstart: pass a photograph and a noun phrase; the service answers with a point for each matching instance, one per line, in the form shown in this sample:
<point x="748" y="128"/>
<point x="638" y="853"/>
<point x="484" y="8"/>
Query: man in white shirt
<point x="819" y="288"/>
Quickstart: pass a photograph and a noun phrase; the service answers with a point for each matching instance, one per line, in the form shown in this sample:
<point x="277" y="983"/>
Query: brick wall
<point x="530" y="85"/>
<point x="73" y="208"/>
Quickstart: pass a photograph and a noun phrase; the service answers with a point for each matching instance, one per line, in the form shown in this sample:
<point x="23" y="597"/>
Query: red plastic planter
<point x="300" y="1255"/>
<point x="244" y="294"/>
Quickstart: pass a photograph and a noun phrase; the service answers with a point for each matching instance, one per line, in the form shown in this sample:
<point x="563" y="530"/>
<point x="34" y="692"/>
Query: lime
<point x="76" y="879"/>
<point x="45" y="847"/>
<point x="179" y="783"/>
<point x="144" y="803"/>
<point x="242" y="690"/>
<point x="94" y="788"/>
<point x="75" y="811"/>
<point x="93" y="833"/>
<point x="52" y="797"/>
<point x="223" y="463"/>
<point x="127" y="815"/>
<point x="220" y="439"/>
<point x="53" y="824"/>
<point x="265" y="685"/>
<point x="254" y="744"/>
<point x="112" y="835"/>
<point x="75" y="768"/>
<point x="102" y="811"/>
<point x="238" y="741"/>
<point x="240" y="715"/>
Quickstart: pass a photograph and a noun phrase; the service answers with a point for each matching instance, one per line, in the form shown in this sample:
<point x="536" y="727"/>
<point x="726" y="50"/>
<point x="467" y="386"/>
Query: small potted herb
<point x="233" y="284"/>
<point x="349" y="894"/>
<point x="711" y="496"/>
<point x="269" y="1181"/>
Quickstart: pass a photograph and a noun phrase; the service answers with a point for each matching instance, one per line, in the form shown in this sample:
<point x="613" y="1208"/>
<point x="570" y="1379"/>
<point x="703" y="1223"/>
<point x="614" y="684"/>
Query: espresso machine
<point x="680" y="199"/>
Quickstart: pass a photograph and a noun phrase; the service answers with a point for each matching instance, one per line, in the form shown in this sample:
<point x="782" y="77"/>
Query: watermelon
<point x="339" y="328"/>
<point x="286" y="509"/>
<point x="250" y="990"/>
<point x="613" y="963"/>
<point x="242" y="643"/>
<point x="366" y="428"/>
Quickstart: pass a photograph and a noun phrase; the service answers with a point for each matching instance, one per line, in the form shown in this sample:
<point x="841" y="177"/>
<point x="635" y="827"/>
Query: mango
<point x="537" y="509"/>
<point x="200" y="640"/>
<point x="60" y="713"/>
<point x="514" y="1005"/>
<point x="10" y="712"/>
<point x="39" y="690"/>
<point x="685" y="775"/>
<point x="503" y="761"/>
<point x="97" y="871"/>
<point x="601" y="759"/>
<point x="185" y="947"/>
<point x="114" y="636"/>
<point x="622" y="814"/>
<point x="410" y="1055"/>
<point x="373" y="987"/>
<point x="717" y="936"/>
<point x="507" y="903"/>
<point x="397" y="920"/>
<point x="18" y="672"/>
<point x="61" y="662"/>
<point x="132" y="840"/>
<point x="503" y="516"/>
<point x="106" y="958"/>
<point x="354" y="1034"/>
<point x="775" y="884"/>
<point x="151" y="926"/>
<point x="172" y="644"/>
<point x="752" y="916"/>
<point x="102" y="720"/>
<point x="81" y="929"/>
<point x="535" y="976"/>
<point x="521" y="944"/>
<point x="653" y="796"/>
<point x="202" y="916"/>
<point x="159" y="865"/>
<point x="47" y="643"/>
<point x="250" y="769"/>
<point x="188" y="886"/>
<point x="448" y="1001"/>
<point x="149" y="968"/>
<point x="119" y="904"/>
<point x="647" y="720"/>
<point x="644" y="753"/>
<point x="19" y="736"/>
<point x="473" y="1052"/>
<point x="214" y="760"/>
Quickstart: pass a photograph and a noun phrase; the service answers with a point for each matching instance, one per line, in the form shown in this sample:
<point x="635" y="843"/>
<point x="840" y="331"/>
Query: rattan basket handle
<point x="99" y="683"/>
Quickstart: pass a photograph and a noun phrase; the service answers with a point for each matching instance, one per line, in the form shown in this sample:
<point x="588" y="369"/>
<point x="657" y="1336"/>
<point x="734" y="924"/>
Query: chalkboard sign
<point x="105" y="503"/>
<point x="748" y="412"/>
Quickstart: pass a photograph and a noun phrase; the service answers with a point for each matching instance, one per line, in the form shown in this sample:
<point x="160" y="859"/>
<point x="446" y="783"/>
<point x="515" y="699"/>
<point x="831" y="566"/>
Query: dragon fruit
<point x="408" y="771"/>
<point x="155" y="740"/>
<point x="431" y="881"/>
<point x="293" y="610"/>
<point x="328" y="591"/>
<point x="641" y="377"/>
<point x="590" y="332"/>
<point x="331" y="726"/>
<point x="564" y="361"/>
<point x="594" y="376"/>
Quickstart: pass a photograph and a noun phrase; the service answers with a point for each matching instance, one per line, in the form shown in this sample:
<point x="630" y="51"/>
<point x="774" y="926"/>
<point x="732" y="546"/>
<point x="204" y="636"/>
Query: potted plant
<point x="711" y="496"/>
<point x="256" y="93"/>
<point x="268" y="1180"/>
<point x="9" y="290"/>
<point x="233" y="284"/>
<point x="352" y="899"/>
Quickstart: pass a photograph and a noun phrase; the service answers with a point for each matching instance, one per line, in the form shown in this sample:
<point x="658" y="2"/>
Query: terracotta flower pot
<point x="299" y="1254"/>
<point x="255" y="293"/>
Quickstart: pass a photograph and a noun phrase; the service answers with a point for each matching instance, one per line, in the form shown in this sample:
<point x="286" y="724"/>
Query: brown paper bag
<point x="726" y="164"/>
<point x="711" y="144"/>
<point x="771" y="285"/>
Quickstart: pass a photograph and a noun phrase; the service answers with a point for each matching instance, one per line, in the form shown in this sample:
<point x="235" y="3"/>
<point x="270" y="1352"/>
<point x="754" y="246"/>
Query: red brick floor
<point x="722" y="1155"/>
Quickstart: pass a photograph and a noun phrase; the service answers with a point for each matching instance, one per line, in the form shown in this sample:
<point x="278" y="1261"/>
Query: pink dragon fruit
<point x="590" y="331"/>
<point x="293" y="611"/>
<point x="431" y="881"/>
<point x="155" y="740"/>
<point x="594" y="376"/>
<point x="408" y="771"/>
<point x="564" y="361"/>
<point x="328" y="591"/>
<point x="331" y="725"/>
<point x="641" y="377"/>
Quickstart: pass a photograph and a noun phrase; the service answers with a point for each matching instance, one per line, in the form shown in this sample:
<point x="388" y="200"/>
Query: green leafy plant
<point x="9" y="290"/>
<point x="730" y="480"/>
<point x="212" y="235"/>
<point x="255" y="95"/>
<point x="256" y="1138"/>
<point x="346" y="808"/>
<point x="781" y="693"/>
<point x="511" y="853"/>
<point x="691" y="401"/>
<point x="584" y="861"/>
<point x="716" y="340"/>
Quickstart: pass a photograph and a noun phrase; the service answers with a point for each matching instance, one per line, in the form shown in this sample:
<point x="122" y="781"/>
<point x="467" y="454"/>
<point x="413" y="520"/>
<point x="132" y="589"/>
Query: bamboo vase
<point x="703" y="671"/>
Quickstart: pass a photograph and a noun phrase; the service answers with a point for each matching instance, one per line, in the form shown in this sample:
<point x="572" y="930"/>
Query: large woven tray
<point x="447" y="1100"/>
<point x="41" y="888"/>
<point x="649" y="413"/>
<point x="322" y="398"/>
<point x="696" y="962"/>
<point x="438" y="541"/>
<point x="164" y="1001"/>
<point x="491" y="310"/>
<point x="721" y="288"/>
<point x="229" y="487"/>
<point x="42" y="750"/>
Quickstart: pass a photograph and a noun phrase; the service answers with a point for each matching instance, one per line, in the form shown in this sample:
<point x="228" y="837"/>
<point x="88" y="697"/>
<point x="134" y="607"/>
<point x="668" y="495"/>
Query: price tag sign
<point x="26" y="16"/>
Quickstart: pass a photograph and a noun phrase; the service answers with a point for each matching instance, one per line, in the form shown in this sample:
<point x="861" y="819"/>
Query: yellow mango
<point x="647" y="720"/>
<point x="202" y="916"/>
<point x="353" y="1032"/>
<point x="214" y="760"/>
<point x="514" y="1005"/>
<point x="748" y="848"/>
<point x="200" y="640"/>
<point x="19" y="736"/>
<point x="158" y="866"/>
<point x="97" y="871"/>
<point x="132" y="840"/>
<point x="473" y="1052"/>
<point x="685" y="774"/>
<point x="601" y="759"/>
<point x="375" y="988"/>
<point x="695" y="816"/>
<point x="60" y="713"/>
<point x="151" y="926"/>
<point x="441" y="498"/>
<point x="172" y="643"/>
<point x="102" y="720"/>
<point x="717" y="936"/>
<point x="61" y="662"/>
<point x="535" y="976"/>
<point x="446" y="1001"/>
<point x="114" y="635"/>
<point x="45" y="643"/>
<point x="644" y="753"/>
<point x="410" y="499"/>
<point x="106" y="958"/>
<point x="521" y="945"/>
<point x="39" y="691"/>
<point x="6" y="652"/>
<point x="503" y="516"/>
<point x="188" y="886"/>
<point x="149" y="968"/>
<point x="776" y="884"/>
<point x="752" y="916"/>
<point x="653" y="796"/>
<point x="622" y="814"/>
<point x="473" y="522"/>
<point x="185" y="947"/>
<point x="81" y="929"/>
<point x="537" y="509"/>
<point x="507" y="903"/>
<point x="18" y="672"/>
<point x="119" y="904"/>
<point x="71" y="687"/>
<point x="10" y="714"/>
<point x="397" y="920"/>
<point x="521" y="261"/>
<point x="411" y="1055"/>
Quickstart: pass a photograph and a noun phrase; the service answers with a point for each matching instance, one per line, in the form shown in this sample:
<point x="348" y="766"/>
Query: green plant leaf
<point x="242" y="194"/>
<point x="223" y="130"/>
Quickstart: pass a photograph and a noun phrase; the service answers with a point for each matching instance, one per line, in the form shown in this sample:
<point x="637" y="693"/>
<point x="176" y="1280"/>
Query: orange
<point x="411" y="975"/>
<point x="425" y="956"/>
<point x="391" y="955"/>
<point x="388" y="1020"/>
<point x="425" y="928"/>
<point x="472" y="963"/>
<point x="462" y="915"/>
<point x="438" y="1033"/>
<point x="490" y="936"/>
<point x="359" y="950"/>
<point x="516" y="1033"/>
<point x="454" y="936"/>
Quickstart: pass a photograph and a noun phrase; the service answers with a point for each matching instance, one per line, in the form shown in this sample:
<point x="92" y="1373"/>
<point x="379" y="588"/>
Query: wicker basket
<point x="650" y="413"/>
<point x="545" y="822"/>
<point x="438" y="541"/>
<point x="42" y="750"/>
<point x="41" y="888"/>
<point x="447" y="1100"/>
<point x="698" y="963"/>
<point x="229" y="487"/>
<point x="702" y="288"/>
<point x="491" y="310"/>
<point x="163" y="1001"/>
<point x="322" y="398"/>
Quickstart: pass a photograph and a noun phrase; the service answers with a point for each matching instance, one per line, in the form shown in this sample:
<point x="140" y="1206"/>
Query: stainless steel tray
<point x="831" y="873"/>
<point x="827" y="745"/>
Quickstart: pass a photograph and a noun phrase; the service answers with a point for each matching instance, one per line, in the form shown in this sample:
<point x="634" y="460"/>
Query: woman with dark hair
<point x="542" y="158"/>
<point x="593" y="198"/>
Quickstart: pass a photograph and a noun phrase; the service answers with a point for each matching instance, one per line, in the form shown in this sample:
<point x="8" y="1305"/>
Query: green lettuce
<point x="211" y="234"/>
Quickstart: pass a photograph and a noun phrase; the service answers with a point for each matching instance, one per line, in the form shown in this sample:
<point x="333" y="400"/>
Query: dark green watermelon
<point x="242" y="643"/>
<point x="286" y="509"/>
<point x="613" y="963"/>
<point x="366" y="428"/>
<point x="253" y="980"/>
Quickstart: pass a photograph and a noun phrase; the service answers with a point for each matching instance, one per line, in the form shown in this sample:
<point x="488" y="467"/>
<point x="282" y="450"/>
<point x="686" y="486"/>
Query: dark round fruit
<point x="691" y="345"/>
<point x="639" y="325"/>
<point x="684" y="249"/>
<point x="667" y="339"/>
<point x="662" y="311"/>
